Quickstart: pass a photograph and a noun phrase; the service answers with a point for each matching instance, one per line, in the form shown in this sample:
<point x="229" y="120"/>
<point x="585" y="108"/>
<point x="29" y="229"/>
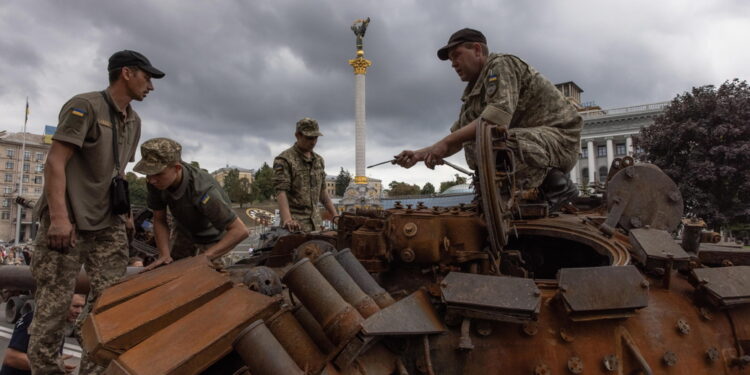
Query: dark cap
<point x="308" y="127"/>
<point x="131" y="58"/>
<point x="157" y="154"/>
<point x="461" y="36"/>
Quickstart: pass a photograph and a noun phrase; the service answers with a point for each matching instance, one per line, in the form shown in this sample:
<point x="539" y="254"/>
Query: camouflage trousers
<point x="536" y="151"/>
<point x="182" y="246"/>
<point x="104" y="256"/>
<point x="306" y="224"/>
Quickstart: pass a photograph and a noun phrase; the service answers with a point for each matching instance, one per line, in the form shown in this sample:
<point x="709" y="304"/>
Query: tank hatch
<point x="723" y="287"/>
<point x="602" y="292"/>
<point x="655" y="248"/>
<point x="500" y="298"/>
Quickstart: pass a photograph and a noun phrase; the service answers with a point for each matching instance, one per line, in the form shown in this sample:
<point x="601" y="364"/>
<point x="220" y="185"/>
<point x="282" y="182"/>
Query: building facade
<point x="26" y="167"/>
<point x="221" y="173"/>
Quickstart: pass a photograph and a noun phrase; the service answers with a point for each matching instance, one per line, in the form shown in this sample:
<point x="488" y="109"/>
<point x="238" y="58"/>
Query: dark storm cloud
<point x="241" y="73"/>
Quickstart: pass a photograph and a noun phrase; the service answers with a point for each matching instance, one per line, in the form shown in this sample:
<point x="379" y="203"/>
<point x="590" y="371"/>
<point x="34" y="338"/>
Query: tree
<point x="245" y="195"/>
<point x="232" y="185"/>
<point x="198" y="165"/>
<point x="428" y="189"/>
<point x="137" y="188"/>
<point x="402" y="188"/>
<point x="262" y="186"/>
<point x="702" y="142"/>
<point x="342" y="181"/>
<point x="447" y="184"/>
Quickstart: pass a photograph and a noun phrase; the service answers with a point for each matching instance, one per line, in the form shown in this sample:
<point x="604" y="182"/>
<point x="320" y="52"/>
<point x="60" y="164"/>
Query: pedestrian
<point x="82" y="212"/>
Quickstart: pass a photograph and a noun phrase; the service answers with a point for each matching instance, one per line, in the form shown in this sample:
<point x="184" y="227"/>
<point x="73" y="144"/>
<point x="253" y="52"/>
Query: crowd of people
<point x="15" y="255"/>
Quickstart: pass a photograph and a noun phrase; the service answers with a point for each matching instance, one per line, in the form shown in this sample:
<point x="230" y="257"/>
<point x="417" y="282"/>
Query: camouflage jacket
<point x="302" y="178"/>
<point x="543" y="125"/>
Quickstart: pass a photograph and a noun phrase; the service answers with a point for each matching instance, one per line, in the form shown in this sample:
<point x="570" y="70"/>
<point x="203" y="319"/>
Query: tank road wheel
<point x="497" y="181"/>
<point x="13" y="308"/>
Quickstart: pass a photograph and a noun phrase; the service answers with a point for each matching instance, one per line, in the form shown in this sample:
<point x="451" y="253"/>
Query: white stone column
<point x="592" y="161"/>
<point x="574" y="173"/>
<point x="610" y="152"/>
<point x="629" y="145"/>
<point x="359" y="121"/>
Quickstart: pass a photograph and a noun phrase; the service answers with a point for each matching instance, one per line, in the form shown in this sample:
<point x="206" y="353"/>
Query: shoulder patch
<point x="77" y="112"/>
<point x="205" y="198"/>
<point x="491" y="82"/>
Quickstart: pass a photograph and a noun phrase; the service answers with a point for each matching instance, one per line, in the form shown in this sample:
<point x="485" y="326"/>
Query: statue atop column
<point x="360" y="27"/>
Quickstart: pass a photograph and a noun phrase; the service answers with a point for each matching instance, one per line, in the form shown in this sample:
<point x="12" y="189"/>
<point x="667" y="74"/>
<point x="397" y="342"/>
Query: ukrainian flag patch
<point x="492" y="78"/>
<point x="78" y="112"/>
<point x="205" y="198"/>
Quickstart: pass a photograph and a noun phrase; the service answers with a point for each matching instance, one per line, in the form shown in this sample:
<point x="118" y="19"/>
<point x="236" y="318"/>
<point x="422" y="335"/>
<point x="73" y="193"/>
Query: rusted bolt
<point x="530" y="328"/>
<point x="669" y="359"/>
<point x="706" y="314"/>
<point x="645" y="284"/>
<point x="673" y="196"/>
<point x="611" y="363"/>
<point x="727" y="263"/>
<point x="484" y="328"/>
<point x="575" y="365"/>
<point x="566" y="336"/>
<point x="683" y="327"/>
<point x="712" y="354"/>
<point x="542" y="369"/>
<point x="537" y="293"/>
<point x="629" y="172"/>
<point x="407" y="255"/>
<point x="410" y="229"/>
<point x="635" y="221"/>
<point x="420" y="205"/>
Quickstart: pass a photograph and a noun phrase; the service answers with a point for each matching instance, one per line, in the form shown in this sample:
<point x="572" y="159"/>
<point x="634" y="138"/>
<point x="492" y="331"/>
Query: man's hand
<point x="129" y="227"/>
<point x="408" y="158"/>
<point x="69" y="368"/>
<point x="291" y="225"/>
<point x="158" y="262"/>
<point x="435" y="154"/>
<point x="61" y="234"/>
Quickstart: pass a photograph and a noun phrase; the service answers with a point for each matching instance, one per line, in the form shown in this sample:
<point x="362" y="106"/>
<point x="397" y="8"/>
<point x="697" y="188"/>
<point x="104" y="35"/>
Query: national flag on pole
<point x="25" y="120"/>
<point x="49" y="131"/>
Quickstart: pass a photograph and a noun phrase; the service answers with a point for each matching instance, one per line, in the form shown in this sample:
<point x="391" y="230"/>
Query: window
<point x="26" y="167"/>
<point x="620" y="149"/>
<point x="601" y="151"/>
<point x="8" y="177"/>
<point x="584" y="153"/>
<point x="38" y="190"/>
<point x="39" y="168"/>
<point x="11" y="153"/>
<point x="38" y="179"/>
<point x="25" y="178"/>
<point x="8" y="189"/>
<point x="8" y="165"/>
<point x="6" y="202"/>
<point x="5" y="215"/>
<point x="602" y="174"/>
<point x="27" y="155"/>
<point x="25" y="190"/>
<point x="39" y="156"/>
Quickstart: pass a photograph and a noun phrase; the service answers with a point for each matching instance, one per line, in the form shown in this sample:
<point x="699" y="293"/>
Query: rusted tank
<point x="499" y="286"/>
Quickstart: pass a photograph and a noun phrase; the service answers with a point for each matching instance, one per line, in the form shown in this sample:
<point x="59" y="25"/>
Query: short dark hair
<point x="485" y="50"/>
<point x="114" y="74"/>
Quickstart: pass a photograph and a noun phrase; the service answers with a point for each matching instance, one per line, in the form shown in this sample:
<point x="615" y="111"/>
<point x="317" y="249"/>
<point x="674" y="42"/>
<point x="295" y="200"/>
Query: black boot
<point x="558" y="189"/>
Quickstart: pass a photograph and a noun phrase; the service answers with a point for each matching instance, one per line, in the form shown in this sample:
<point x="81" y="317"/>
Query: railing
<point x="618" y="111"/>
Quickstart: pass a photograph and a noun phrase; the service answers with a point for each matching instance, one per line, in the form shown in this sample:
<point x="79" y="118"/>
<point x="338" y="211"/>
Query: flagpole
<point x="21" y="159"/>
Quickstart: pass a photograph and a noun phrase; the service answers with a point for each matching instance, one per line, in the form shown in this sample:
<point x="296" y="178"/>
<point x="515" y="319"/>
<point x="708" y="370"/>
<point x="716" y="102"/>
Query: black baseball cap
<point x="461" y="36"/>
<point x="127" y="57"/>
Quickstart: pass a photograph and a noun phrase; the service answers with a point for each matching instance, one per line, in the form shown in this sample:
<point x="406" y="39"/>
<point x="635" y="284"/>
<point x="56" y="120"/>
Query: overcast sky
<point x="241" y="73"/>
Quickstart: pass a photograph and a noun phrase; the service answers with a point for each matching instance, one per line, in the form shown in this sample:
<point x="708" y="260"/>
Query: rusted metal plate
<point x="191" y="344"/>
<point x="724" y="286"/>
<point x="602" y="290"/>
<point x="499" y="293"/>
<point x="413" y="315"/>
<point x="718" y="255"/>
<point x="656" y="247"/>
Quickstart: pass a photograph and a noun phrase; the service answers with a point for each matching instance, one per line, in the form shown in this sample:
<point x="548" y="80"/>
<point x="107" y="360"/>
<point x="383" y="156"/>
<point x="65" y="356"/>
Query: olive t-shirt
<point x="85" y="123"/>
<point x="199" y="205"/>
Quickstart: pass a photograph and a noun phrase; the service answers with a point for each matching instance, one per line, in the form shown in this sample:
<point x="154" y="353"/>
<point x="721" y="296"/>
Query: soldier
<point x="77" y="222"/>
<point x="204" y="220"/>
<point x="544" y="129"/>
<point x="300" y="181"/>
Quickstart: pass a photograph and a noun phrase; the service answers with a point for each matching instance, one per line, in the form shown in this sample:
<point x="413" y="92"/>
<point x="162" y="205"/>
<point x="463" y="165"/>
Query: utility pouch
<point x="120" y="196"/>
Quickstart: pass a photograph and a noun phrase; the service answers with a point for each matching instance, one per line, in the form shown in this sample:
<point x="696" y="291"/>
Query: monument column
<point x="610" y="153"/>
<point x="360" y="65"/>
<point x="592" y="161"/>
<point x="629" y="145"/>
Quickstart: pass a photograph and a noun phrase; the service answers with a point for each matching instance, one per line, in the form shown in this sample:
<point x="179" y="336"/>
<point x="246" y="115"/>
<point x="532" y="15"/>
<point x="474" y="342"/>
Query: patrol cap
<point x="157" y="154"/>
<point x="459" y="37"/>
<point x="131" y="58"/>
<point x="308" y="127"/>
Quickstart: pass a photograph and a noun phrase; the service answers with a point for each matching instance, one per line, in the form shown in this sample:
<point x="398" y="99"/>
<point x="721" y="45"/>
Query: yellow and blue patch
<point x="78" y="112"/>
<point x="492" y="78"/>
<point x="205" y="198"/>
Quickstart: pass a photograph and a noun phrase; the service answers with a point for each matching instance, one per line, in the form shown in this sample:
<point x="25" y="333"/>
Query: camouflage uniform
<point x="302" y="178"/>
<point x="200" y="207"/>
<point x="544" y="129"/>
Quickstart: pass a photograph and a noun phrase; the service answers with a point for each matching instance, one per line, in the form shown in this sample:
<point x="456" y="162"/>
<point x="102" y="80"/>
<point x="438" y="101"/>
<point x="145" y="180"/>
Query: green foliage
<point x="138" y="190"/>
<point x="428" y="189"/>
<point x="262" y="186"/>
<point x="198" y="165"/>
<point x="702" y="141"/>
<point x="232" y="185"/>
<point x="402" y="188"/>
<point x="447" y="184"/>
<point x="342" y="181"/>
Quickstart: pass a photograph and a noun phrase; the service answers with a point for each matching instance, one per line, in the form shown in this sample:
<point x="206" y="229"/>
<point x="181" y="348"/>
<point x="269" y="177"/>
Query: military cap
<point x="157" y="154"/>
<point x="131" y="58"/>
<point x="459" y="37"/>
<point x="308" y="127"/>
